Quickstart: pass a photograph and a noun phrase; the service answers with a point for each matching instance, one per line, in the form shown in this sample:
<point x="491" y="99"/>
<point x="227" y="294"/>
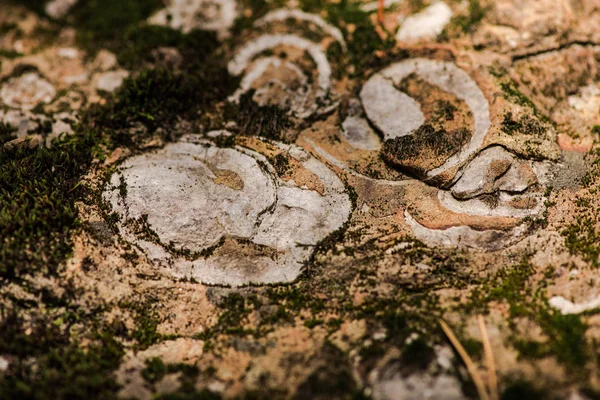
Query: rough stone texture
<point x="364" y="253"/>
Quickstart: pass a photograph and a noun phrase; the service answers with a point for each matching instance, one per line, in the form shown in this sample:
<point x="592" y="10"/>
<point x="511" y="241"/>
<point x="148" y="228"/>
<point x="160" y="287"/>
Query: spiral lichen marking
<point x="396" y="114"/>
<point x="259" y="68"/>
<point x="253" y="48"/>
<point x="283" y="14"/>
<point x="224" y="215"/>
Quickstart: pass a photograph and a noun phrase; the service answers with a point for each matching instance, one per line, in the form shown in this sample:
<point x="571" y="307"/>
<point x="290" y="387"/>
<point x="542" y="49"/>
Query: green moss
<point x="270" y="122"/>
<point x="467" y="23"/>
<point x="364" y="45"/>
<point x="145" y="332"/>
<point x="521" y="389"/>
<point x="137" y="47"/>
<point x="38" y="189"/>
<point x="513" y="94"/>
<point x="583" y="238"/>
<point x="154" y="370"/>
<point x="7" y="133"/>
<point x="311" y="323"/>
<point x="62" y="370"/>
<point x="9" y="54"/>
<point x="433" y="145"/>
<point x="565" y="334"/>
<point x="104" y="23"/>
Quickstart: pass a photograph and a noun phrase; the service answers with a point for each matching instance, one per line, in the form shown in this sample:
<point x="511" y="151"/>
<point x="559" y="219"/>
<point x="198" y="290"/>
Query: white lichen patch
<point x="187" y="15"/>
<point x="427" y="24"/>
<point x="396" y="114"/>
<point x="464" y="236"/>
<point x="223" y="215"/>
<point x="568" y="307"/>
<point x="27" y="91"/>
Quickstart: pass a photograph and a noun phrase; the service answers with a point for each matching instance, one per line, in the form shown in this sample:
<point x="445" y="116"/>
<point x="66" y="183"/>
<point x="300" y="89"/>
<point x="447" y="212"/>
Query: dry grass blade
<point x="489" y="360"/>
<point x="479" y="385"/>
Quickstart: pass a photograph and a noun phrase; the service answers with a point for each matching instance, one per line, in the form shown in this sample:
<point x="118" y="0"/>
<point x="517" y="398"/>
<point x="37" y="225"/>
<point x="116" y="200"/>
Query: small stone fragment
<point x="479" y="177"/>
<point x="427" y="24"/>
<point x="111" y="81"/>
<point x="59" y="8"/>
<point x="357" y="131"/>
<point x="27" y="91"/>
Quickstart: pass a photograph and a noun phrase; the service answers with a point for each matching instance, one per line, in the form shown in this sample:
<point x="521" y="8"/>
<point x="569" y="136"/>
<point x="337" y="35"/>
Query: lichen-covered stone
<point x="223" y="215"/>
<point x="397" y="115"/>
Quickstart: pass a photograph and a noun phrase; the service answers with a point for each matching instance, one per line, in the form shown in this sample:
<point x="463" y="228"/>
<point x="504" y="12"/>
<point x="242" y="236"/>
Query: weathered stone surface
<point x="386" y="212"/>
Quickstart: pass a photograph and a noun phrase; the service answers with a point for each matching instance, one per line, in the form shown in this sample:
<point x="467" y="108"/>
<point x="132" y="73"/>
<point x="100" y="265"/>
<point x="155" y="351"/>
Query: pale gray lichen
<point x="427" y="24"/>
<point x="397" y="114"/>
<point x="199" y="198"/>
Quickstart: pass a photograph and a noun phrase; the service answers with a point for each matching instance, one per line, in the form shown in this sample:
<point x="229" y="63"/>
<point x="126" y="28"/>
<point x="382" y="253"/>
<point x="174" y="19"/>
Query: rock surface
<point x="286" y="202"/>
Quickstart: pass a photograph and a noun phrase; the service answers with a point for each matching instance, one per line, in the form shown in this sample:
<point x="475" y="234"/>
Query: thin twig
<point x="479" y="385"/>
<point x="489" y="360"/>
<point x="380" y="11"/>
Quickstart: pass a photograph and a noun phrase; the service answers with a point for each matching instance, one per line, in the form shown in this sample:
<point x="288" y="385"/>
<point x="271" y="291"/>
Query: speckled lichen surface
<point x="249" y="199"/>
